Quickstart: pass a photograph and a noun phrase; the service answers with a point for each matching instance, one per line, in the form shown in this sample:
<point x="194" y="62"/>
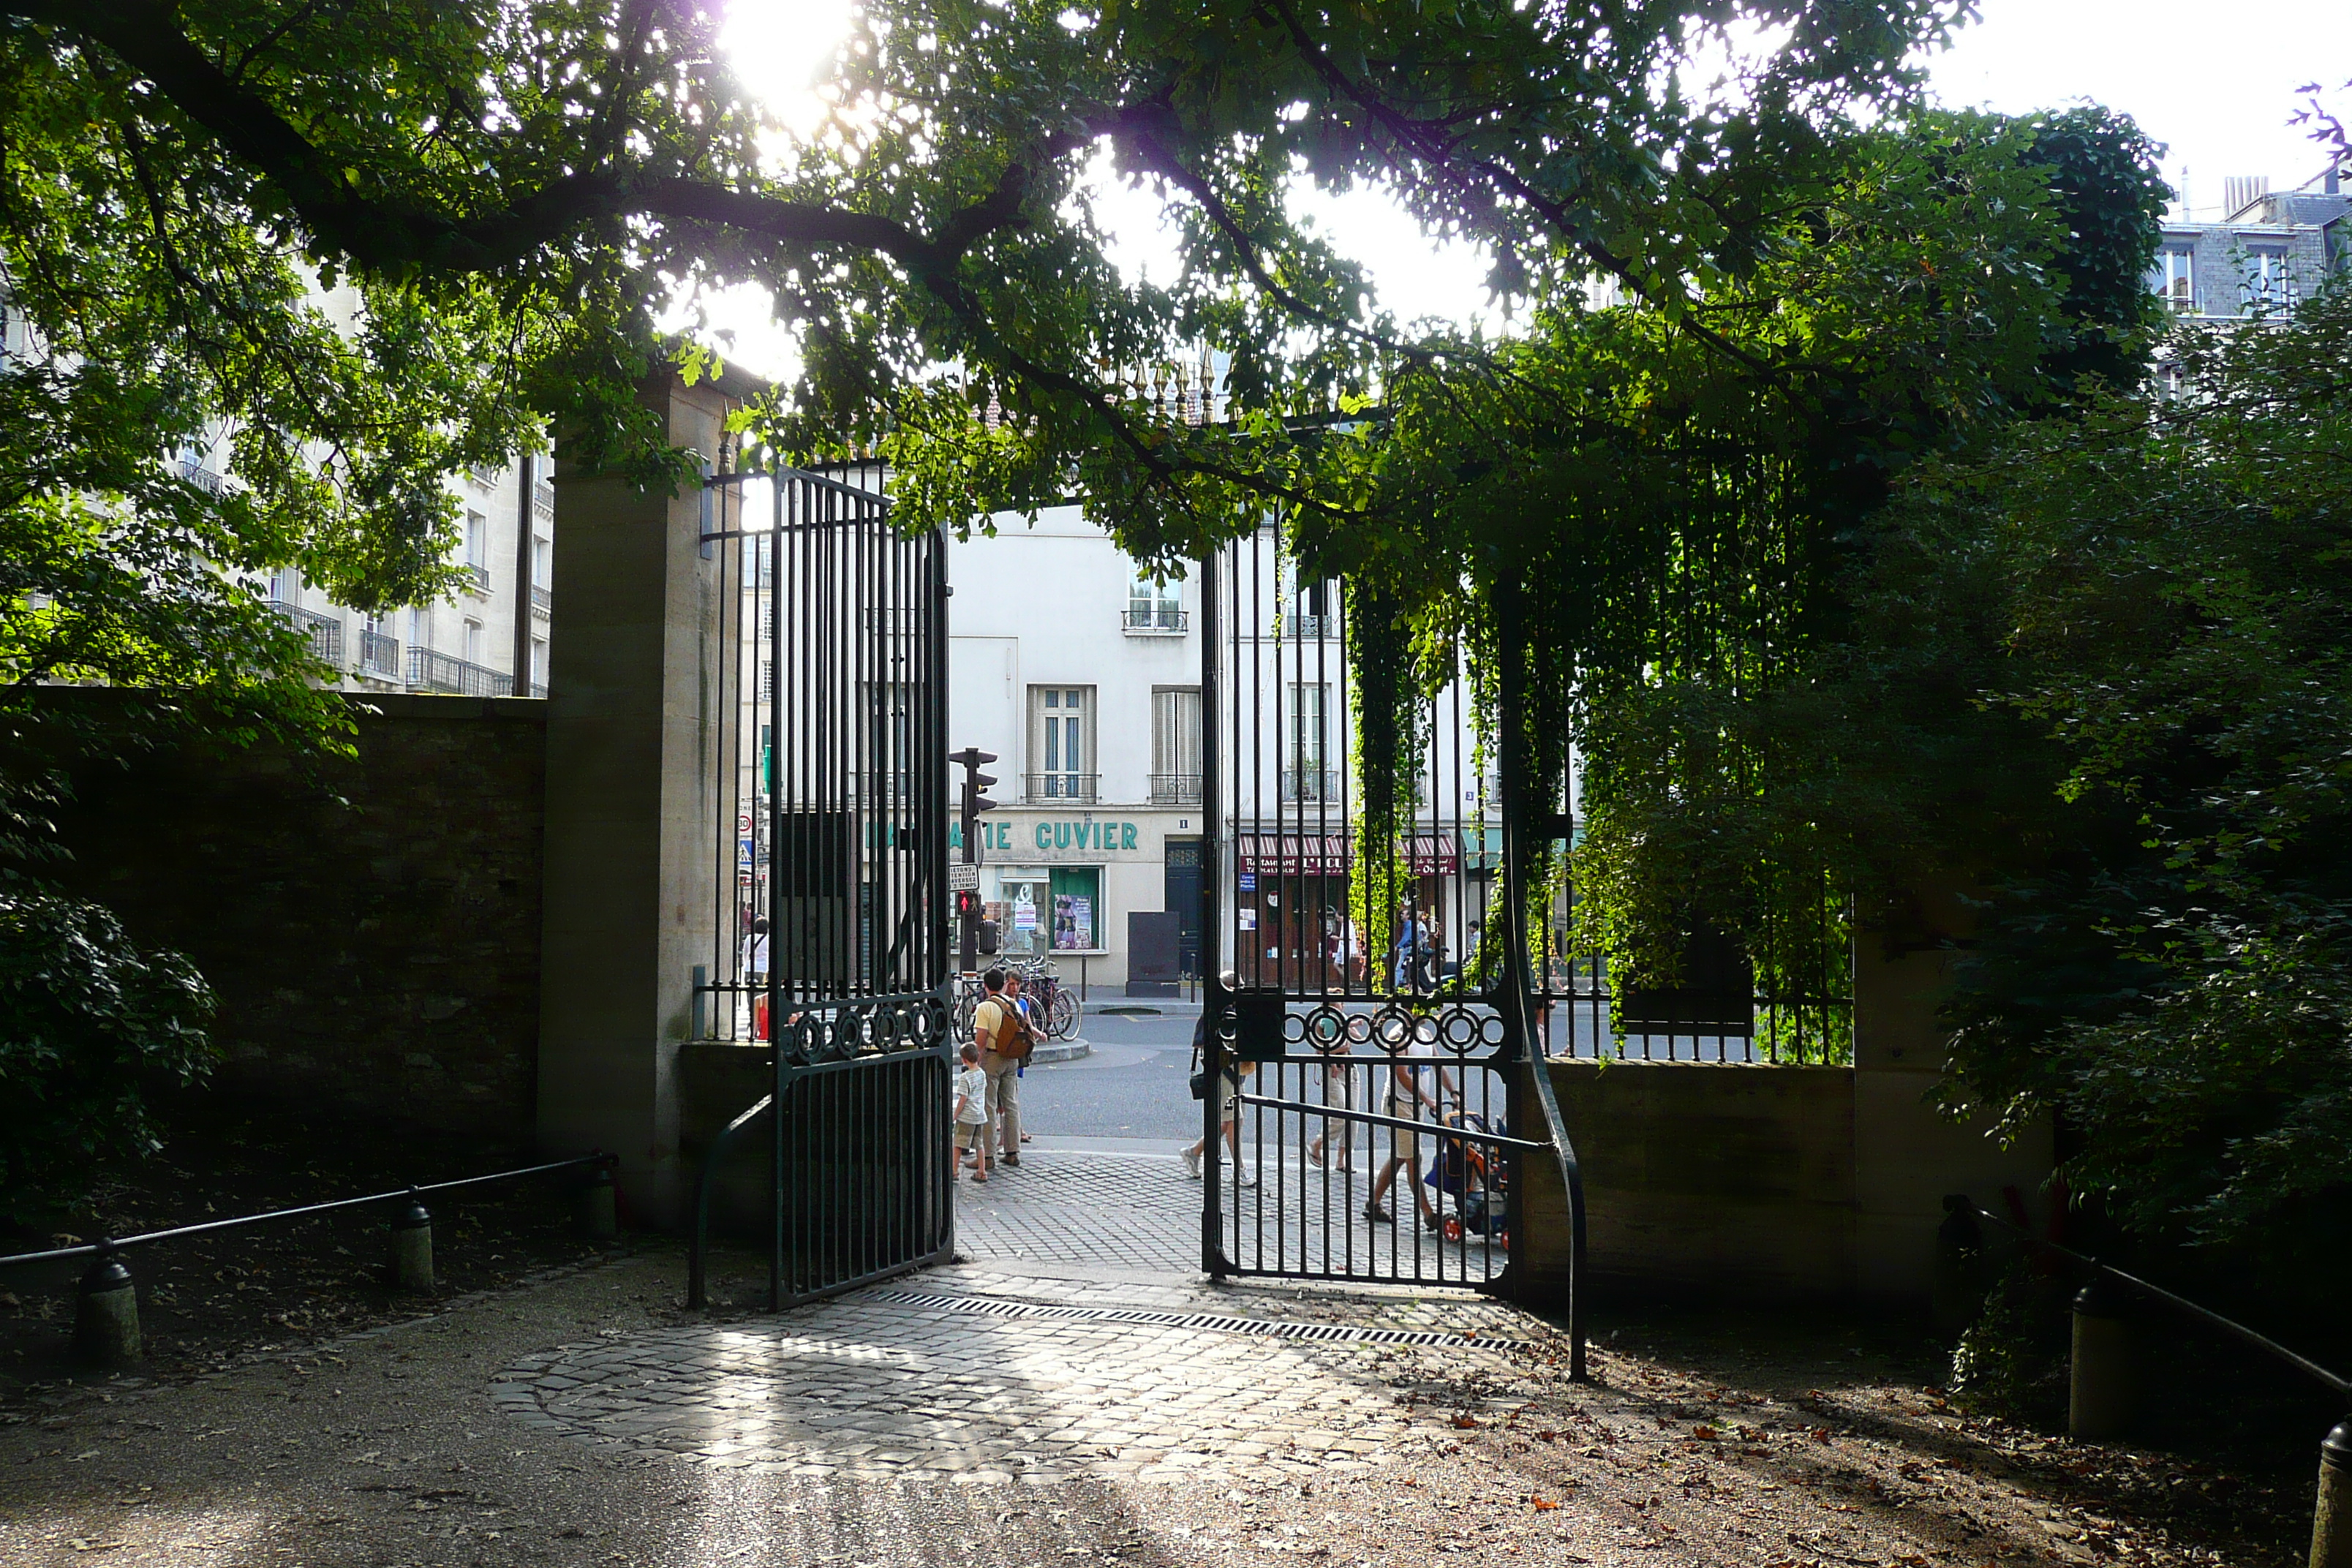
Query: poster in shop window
<point x="1074" y="920"/>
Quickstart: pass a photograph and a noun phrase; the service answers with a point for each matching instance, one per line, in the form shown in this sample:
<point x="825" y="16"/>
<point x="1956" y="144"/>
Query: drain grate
<point x="1274" y="1328"/>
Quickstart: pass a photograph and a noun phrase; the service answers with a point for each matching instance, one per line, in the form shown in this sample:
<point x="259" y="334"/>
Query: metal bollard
<point x="1958" y="1286"/>
<point x="599" y="1214"/>
<point x="2331" y="1521"/>
<point x="411" y="1248"/>
<point x="106" y="1312"/>
<point x="2102" y="1394"/>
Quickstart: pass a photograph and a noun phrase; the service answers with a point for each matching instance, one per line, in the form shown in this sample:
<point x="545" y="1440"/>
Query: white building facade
<point x="1085" y="680"/>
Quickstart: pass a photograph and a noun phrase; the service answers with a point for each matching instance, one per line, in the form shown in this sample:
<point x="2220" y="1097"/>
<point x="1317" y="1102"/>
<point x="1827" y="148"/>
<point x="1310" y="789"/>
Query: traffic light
<point x="973" y="803"/>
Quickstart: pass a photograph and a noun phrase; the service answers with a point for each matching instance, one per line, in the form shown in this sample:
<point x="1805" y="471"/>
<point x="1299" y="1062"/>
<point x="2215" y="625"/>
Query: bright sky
<point x="2214" y="85"/>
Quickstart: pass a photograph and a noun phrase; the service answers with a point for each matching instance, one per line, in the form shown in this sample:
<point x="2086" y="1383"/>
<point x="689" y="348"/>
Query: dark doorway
<point x="1180" y="896"/>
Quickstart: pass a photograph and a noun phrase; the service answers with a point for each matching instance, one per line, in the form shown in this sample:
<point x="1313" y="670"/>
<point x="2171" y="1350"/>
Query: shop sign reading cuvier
<point x="1088" y="838"/>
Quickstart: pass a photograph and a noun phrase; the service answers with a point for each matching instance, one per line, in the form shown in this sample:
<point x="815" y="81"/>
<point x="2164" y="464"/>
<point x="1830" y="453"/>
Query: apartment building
<point x="2264" y="251"/>
<point x="1083" y="675"/>
<point x="490" y="639"/>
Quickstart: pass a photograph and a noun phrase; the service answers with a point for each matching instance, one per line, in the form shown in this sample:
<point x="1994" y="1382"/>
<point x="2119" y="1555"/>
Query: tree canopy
<point x="360" y="247"/>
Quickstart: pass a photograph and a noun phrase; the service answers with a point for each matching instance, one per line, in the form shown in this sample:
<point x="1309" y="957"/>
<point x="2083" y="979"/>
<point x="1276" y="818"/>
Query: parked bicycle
<point x="1056" y="1006"/>
<point x="1057" y="1003"/>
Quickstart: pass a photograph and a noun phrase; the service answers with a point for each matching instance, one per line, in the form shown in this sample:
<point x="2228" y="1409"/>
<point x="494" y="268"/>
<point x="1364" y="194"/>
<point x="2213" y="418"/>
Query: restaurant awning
<point x="1325" y="855"/>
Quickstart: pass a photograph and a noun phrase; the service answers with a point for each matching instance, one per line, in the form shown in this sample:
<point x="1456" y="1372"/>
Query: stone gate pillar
<point x="1906" y="1154"/>
<point x="632" y="834"/>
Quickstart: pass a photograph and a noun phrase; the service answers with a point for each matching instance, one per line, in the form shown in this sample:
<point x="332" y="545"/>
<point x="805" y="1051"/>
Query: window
<point x="477" y="540"/>
<point x="1153" y="606"/>
<point x="419" y="629"/>
<point x="1305" y="776"/>
<point x="543" y="562"/>
<point x="1023" y="908"/>
<point x="539" y="662"/>
<point x="1077" y="907"/>
<point x="1176" y="745"/>
<point x="2270" y="288"/>
<point x="2173" y="279"/>
<point x="473" y="642"/>
<point x="1061" y="742"/>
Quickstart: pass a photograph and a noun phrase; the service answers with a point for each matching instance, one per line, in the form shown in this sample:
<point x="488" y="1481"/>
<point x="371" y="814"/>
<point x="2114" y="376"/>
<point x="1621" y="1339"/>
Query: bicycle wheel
<point x="1061" y="1023"/>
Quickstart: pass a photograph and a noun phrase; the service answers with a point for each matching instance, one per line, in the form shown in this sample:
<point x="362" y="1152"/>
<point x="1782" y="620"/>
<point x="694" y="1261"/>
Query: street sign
<point x="962" y="878"/>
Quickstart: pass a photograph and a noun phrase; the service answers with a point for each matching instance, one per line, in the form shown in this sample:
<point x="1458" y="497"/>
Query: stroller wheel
<point x="1452" y="1228"/>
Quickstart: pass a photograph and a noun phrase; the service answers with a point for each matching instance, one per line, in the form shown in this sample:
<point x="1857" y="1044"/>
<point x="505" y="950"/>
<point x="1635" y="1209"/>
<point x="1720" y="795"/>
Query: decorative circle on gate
<point x="1327" y="1028"/>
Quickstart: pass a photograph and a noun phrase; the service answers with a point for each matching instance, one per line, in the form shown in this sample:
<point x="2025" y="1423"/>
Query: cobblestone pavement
<point x="982" y="1383"/>
<point x="1139" y="1211"/>
<point x="587" y="1421"/>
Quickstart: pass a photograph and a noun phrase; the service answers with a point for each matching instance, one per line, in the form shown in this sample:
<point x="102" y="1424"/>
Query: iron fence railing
<point x="1310" y="784"/>
<point x="1145" y="620"/>
<point x="480" y="575"/>
<point x="2106" y="1364"/>
<point x="542" y="599"/>
<point x="379" y="654"/>
<point x="431" y="671"/>
<point x="1077" y="788"/>
<point x="1175" y="789"/>
<point x="106" y="1326"/>
<point x="325" y="632"/>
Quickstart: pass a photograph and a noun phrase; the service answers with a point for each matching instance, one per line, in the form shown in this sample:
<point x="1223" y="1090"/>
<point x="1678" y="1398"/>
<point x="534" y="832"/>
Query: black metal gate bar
<point x="1342" y="1017"/>
<point x="831" y="730"/>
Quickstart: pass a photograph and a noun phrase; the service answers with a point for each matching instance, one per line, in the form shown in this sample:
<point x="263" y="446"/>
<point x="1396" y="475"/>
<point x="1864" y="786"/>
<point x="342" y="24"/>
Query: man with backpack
<point x="999" y="1029"/>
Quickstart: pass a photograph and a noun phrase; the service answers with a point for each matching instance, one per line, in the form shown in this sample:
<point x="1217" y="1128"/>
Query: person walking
<point x="1413" y="945"/>
<point x="1226" y="1087"/>
<point x="755" y="974"/>
<point x="1416" y="1094"/>
<point x="1340" y="1091"/>
<point x="970" y="1119"/>
<point x="1000" y="1032"/>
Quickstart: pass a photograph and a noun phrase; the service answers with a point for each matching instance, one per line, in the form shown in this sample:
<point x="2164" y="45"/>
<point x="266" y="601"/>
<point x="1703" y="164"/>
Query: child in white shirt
<point x="972" y="1113"/>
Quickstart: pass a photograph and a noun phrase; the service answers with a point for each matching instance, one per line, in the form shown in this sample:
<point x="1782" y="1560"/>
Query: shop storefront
<point x="1062" y="886"/>
<point x="1290" y="912"/>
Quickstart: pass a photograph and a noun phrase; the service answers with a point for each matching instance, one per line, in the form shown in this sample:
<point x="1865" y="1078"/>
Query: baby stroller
<point x="1474" y="1175"/>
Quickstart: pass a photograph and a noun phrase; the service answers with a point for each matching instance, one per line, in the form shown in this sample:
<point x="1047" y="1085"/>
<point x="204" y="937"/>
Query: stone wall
<point x="1779" y="1184"/>
<point x="1714" y="1179"/>
<point x="371" y="926"/>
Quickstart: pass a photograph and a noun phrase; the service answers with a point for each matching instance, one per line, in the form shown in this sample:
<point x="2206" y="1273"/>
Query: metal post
<point x="701" y="993"/>
<point x="1213" y="1223"/>
<point x="106" y="1312"/>
<point x="1957" y="1287"/>
<point x="2331" y="1520"/>
<point x="2102" y="1392"/>
<point x="599" y="1210"/>
<point x="411" y="1248"/>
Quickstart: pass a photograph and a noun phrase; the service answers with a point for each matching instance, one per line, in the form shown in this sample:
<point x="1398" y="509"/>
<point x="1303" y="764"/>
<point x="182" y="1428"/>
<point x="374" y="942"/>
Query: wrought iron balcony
<point x="1310" y="784"/>
<point x="1155" y="620"/>
<point x="542" y="600"/>
<point x="1175" y="789"/>
<point x="538" y="690"/>
<point x="481" y="576"/>
<point x="325" y="632"/>
<point x="1077" y="788"/>
<point x="380" y="656"/>
<point x="209" y="480"/>
<point x="431" y="671"/>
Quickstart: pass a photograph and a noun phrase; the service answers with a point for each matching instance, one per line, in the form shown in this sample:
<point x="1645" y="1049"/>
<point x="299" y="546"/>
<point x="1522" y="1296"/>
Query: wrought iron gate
<point x="830" y="720"/>
<point x="1365" y="1025"/>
